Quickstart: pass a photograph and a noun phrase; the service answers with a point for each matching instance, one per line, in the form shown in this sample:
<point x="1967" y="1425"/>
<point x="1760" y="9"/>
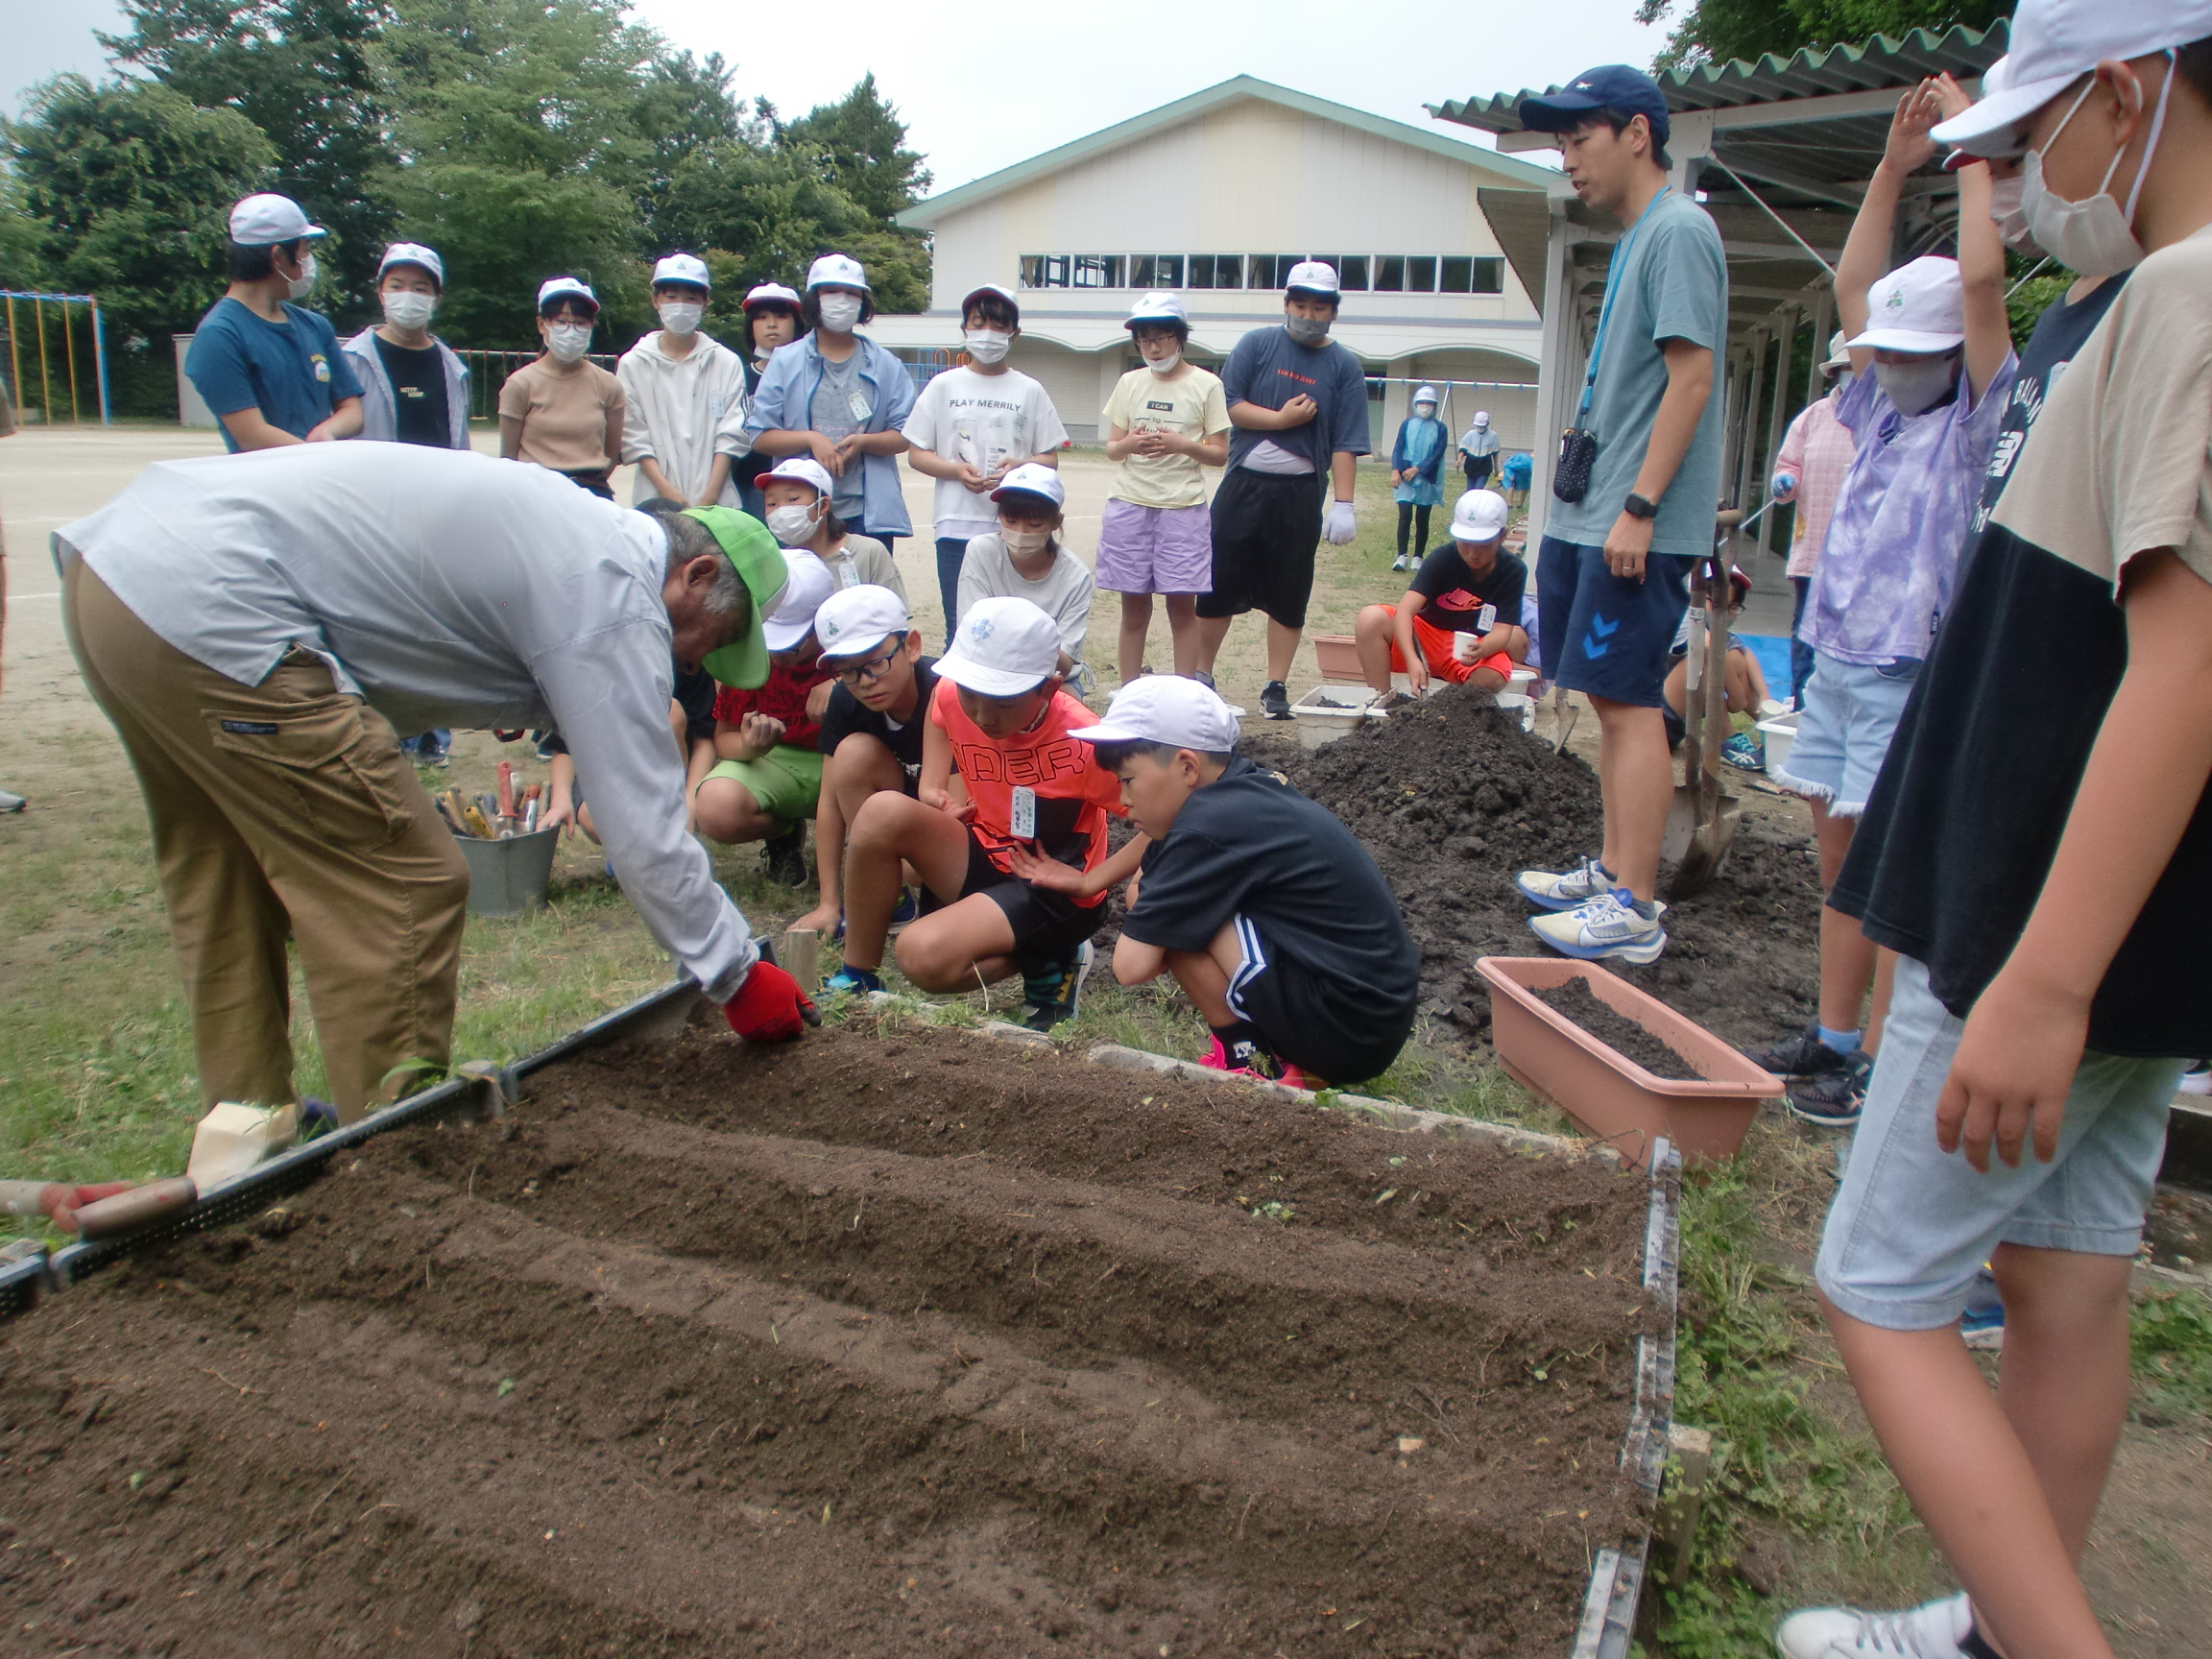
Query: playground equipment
<point x="15" y="305"/>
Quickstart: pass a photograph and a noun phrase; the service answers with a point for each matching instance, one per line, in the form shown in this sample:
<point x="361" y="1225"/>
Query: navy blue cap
<point x="1608" y="86"/>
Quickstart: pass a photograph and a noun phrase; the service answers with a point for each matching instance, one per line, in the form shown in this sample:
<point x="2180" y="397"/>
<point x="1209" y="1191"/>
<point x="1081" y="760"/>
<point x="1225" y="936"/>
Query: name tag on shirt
<point x="858" y="402"/>
<point x="1022" y="818"/>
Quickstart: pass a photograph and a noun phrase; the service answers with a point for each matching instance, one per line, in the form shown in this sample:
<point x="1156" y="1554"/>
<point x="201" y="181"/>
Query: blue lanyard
<point x="1605" y="309"/>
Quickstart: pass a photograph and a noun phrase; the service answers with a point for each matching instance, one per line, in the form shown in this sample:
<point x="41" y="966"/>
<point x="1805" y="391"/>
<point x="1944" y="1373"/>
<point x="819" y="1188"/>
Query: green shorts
<point x="786" y="782"/>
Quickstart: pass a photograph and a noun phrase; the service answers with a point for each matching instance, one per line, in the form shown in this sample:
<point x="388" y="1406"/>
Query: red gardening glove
<point x="769" y="1006"/>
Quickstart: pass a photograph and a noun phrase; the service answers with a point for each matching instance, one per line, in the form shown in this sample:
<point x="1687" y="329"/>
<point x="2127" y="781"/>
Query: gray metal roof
<point x="1810" y="73"/>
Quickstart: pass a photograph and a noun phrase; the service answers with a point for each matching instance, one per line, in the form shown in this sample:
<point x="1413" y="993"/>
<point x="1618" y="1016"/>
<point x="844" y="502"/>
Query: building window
<point x="1472" y="275"/>
<point x="1096" y="270"/>
<point x="1156" y="270"/>
<point x="1352" y="273"/>
<point x="1421" y="275"/>
<point x="1390" y="274"/>
<point x="1043" y="269"/>
<point x="1216" y="271"/>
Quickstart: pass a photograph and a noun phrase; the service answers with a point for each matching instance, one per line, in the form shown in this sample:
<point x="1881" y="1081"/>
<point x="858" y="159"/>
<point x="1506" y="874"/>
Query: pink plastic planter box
<point x="1608" y="1095"/>
<point x="1338" y="654"/>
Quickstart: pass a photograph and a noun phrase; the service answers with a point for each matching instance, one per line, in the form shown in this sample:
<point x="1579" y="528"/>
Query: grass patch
<point x="2169" y="1339"/>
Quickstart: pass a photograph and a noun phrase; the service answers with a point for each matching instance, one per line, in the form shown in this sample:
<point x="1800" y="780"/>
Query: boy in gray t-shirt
<point x="1612" y="576"/>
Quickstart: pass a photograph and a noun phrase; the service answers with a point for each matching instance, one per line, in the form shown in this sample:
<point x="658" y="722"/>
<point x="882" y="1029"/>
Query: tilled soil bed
<point x="901" y="1343"/>
<point x="1453" y="800"/>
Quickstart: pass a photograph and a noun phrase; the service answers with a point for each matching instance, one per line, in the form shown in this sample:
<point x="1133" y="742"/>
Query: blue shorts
<point x="1912" y="1223"/>
<point x="1851" y="712"/>
<point x="1603" y="635"/>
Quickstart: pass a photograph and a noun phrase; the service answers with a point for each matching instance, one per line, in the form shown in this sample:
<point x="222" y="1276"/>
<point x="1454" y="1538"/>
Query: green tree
<point x="520" y="154"/>
<point x="1716" y="31"/>
<point x="301" y="71"/>
<point x="859" y="145"/>
<point x="129" y="183"/>
<point x="21" y="266"/>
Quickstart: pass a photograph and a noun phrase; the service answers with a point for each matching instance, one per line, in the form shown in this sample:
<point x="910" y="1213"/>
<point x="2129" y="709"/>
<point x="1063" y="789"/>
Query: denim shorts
<point x="1851" y="712"/>
<point x="1912" y="1223"/>
<point x="1603" y="635"/>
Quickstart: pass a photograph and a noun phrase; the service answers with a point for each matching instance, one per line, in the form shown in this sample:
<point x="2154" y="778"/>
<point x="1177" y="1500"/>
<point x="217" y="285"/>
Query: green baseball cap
<point x="753" y="552"/>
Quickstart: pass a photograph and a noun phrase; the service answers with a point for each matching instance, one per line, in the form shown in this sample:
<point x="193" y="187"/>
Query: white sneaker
<point x="1934" y="1631"/>
<point x="1399" y="564"/>
<point x="1609" y="927"/>
<point x="1568" y="888"/>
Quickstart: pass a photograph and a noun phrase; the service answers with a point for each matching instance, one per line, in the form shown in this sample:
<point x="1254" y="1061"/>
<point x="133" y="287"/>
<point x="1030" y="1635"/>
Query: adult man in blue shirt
<point x="1298" y="405"/>
<point x="271" y="371"/>
<point x="1613" y="575"/>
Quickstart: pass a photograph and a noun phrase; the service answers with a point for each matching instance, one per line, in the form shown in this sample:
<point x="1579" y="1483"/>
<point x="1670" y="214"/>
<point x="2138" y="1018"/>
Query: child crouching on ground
<point x="766" y="785"/>
<point x="1270" y="916"/>
<point x="1008" y="833"/>
<point x="1460" y="619"/>
<point x="872" y="733"/>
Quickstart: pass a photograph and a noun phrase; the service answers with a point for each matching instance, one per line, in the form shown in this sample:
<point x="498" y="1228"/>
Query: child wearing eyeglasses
<point x="870" y="732"/>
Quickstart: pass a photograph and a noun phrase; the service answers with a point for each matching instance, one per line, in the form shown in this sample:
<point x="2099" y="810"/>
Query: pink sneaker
<point x="1216" y="1058"/>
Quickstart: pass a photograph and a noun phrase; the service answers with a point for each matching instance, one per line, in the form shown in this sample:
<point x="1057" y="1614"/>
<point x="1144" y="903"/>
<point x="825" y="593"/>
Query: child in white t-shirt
<point x="1164" y="423"/>
<point x="972" y="424"/>
<point x="1023" y="557"/>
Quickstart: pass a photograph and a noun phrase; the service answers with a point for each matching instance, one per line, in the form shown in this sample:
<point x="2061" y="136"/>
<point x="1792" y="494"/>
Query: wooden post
<point x="801" y="957"/>
<point x="1674" y="1529"/>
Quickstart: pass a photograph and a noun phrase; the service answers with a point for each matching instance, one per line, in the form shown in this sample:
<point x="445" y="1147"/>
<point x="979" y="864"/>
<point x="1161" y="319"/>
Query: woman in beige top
<point x="561" y="411"/>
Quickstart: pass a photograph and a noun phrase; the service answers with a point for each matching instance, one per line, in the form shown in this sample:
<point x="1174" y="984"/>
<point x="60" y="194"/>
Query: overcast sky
<point x="981" y="90"/>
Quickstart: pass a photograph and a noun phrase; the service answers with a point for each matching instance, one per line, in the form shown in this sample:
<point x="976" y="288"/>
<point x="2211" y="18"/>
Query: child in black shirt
<point x="1270" y="916"/>
<point x="1460" y="618"/>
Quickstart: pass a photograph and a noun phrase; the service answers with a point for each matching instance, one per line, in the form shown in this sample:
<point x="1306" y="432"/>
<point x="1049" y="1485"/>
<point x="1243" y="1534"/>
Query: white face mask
<point x="1024" y="542"/>
<point x="568" y="341"/>
<point x="840" y="312"/>
<point x="793" y="524"/>
<point x="1918" y="386"/>
<point x="681" y="317"/>
<point x="405" y="310"/>
<point x="2009" y="212"/>
<point x="1166" y="365"/>
<point x="303" y="284"/>
<point x="1424" y="411"/>
<point x="2094" y="237"/>
<point x="987" y="344"/>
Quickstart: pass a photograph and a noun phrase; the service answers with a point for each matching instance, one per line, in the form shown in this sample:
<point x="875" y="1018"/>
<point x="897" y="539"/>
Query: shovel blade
<point x="1705" y="848"/>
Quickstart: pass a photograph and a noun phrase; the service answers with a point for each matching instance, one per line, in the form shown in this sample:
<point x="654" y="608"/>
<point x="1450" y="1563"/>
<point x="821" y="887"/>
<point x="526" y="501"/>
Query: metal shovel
<point x="1702" y="818"/>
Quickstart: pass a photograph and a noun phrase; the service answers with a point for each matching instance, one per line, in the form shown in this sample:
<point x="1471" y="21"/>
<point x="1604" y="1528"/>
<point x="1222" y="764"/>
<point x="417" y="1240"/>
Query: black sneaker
<point x="1055" y="991"/>
<point x="1275" y="701"/>
<point x="1799" y="1057"/>
<point x="1836" y="1100"/>
<point x="1203" y="677"/>
<point x="784" y="856"/>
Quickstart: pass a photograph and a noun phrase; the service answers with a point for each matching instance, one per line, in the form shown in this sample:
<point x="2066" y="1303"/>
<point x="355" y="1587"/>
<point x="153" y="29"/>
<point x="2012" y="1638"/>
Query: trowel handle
<point x="141" y="1207"/>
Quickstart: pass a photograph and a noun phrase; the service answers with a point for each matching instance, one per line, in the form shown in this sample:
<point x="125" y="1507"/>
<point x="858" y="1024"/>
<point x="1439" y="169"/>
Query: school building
<point x="1215" y="196"/>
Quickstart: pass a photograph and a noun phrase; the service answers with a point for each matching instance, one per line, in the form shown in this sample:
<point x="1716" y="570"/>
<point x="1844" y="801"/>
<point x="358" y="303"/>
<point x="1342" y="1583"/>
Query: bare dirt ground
<point x="915" y="1345"/>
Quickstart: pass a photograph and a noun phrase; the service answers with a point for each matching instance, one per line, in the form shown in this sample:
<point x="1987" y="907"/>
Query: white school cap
<point x="1838" y="351"/>
<point x="853" y="621"/>
<point x="1425" y="395"/>
<point x="806" y="469"/>
<point x="268" y="219"/>
<point x="2055" y="43"/>
<point x="807" y="583"/>
<point x="413" y="254"/>
<point x="837" y="271"/>
<point x="684" y="267"/>
<point x="1033" y="478"/>
<point x="1166" y="709"/>
<point x="1920" y="306"/>
<point x="1005" y="646"/>
<point x="1158" y="307"/>
<point x="1482" y="418"/>
<point x="1312" y="276"/>
<point x="1479" y="516"/>
<point x="565" y="288"/>
<point x="772" y="294"/>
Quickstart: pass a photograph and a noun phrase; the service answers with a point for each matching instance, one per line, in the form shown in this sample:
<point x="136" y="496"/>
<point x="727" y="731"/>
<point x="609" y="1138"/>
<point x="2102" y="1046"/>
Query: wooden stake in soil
<point x="802" y="958"/>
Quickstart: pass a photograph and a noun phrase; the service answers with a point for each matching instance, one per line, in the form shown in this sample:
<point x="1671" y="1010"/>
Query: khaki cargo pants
<point x="283" y="810"/>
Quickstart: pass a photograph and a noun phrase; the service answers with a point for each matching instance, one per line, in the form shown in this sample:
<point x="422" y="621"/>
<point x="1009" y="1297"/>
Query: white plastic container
<point x="1519" y="708"/>
<point x="1318" y="723"/>
<point x="232" y="1138"/>
<point x="1780" y="733"/>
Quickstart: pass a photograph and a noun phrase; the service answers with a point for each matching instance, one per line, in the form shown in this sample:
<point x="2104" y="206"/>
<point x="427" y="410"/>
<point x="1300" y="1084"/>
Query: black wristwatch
<point x="1636" y="507"/>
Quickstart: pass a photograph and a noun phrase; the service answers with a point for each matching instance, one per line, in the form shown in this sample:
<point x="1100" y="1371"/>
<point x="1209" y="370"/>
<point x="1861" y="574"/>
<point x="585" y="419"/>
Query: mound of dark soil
<point x="871" y="1346"/>
<point x="1453" y="800"/>
<point x="1617" y="1031"/>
